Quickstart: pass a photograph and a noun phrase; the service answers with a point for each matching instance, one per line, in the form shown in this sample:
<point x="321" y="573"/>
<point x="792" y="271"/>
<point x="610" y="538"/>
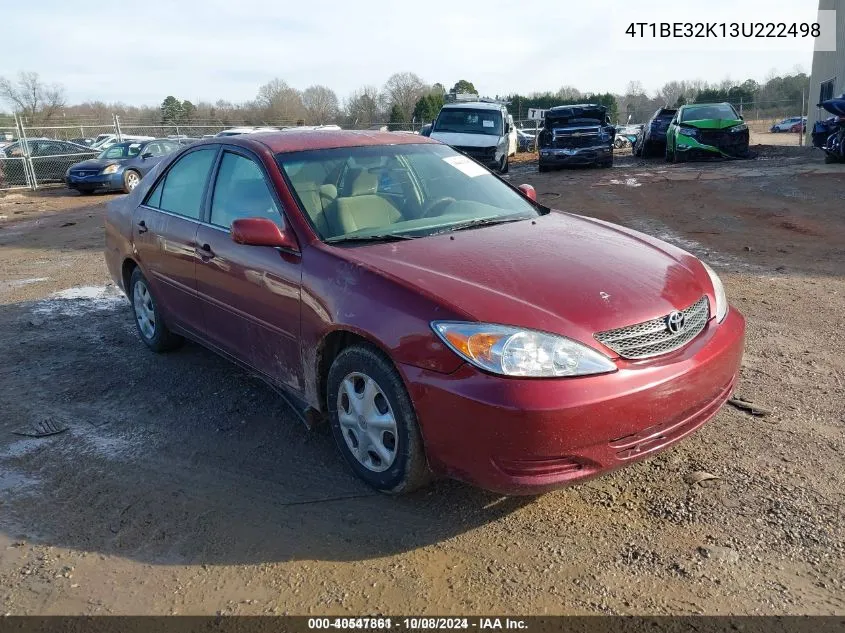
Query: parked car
<point x="104" y="141"/>
<point x="576" y="135"/>
<point x="526" y="140"/>
<point x="791" y="124"/>
<point x="401" y="290"/>
<point x="706" y="130"/>
<point x="652" y="140"/>
<point x="481" y="130"/>
<point x="626" y="135"/>
<point x="425" y="130"/>
<point x="234" y="131"/>
<point x="49" y="159"/>
<point x="87" y="142"/>
<point x="120" y="167"/>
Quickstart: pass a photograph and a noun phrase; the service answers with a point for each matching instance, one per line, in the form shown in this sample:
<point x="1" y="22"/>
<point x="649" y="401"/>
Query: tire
<point x="399" y="465"/>
<point x="542" y="168"/>
<point x="829" y="158"/>
<point x="86" y="192"/>
<point x="503" y="169"/>
<point x="670" y="155"/>
<point x="155" y="335"/>
<point x="131" y="179"/>
<point x="638" y="150"/>
<point x="605" y="164"/>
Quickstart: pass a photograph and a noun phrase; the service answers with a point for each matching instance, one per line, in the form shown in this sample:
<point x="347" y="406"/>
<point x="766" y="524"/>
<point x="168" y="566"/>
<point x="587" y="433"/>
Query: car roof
<point x="294" y="140"/>
<point x="577" y="105"/>
<point x="474" y="105"/>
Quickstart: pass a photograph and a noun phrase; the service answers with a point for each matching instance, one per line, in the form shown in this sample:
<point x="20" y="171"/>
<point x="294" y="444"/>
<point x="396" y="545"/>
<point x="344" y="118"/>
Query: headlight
<point x="719" y="293"/>
<point x="738" y="128"/>
<point x="512" y="351"/>
<point x="111" y="169"/>
<point x="688" y="131"/>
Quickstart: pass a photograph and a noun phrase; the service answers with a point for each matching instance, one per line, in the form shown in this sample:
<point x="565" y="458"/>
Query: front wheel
<point x="130" y="180"/>
<point x="148" y="321"/>
<point x="374" y="423"/>
<point x="503" y="168"/>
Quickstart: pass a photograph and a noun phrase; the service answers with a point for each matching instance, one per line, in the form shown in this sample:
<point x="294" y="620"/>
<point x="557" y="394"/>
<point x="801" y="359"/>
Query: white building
<point x="827" y="78"/>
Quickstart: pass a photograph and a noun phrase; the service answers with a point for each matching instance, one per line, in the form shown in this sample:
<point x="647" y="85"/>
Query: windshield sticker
<point x="465" y="166"/>
<point x="487" y="123"/>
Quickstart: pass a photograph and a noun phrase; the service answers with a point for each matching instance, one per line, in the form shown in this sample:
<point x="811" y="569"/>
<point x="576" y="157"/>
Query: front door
<point x="164" y="237"/>
<point x="250" y="294"/>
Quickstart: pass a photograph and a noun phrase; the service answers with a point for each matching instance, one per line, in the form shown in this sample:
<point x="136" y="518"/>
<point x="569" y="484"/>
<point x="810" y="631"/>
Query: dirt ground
<point x="183" y="485"/>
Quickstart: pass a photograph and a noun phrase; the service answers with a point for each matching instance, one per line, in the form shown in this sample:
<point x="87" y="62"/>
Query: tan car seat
<point x="360" y="207"/>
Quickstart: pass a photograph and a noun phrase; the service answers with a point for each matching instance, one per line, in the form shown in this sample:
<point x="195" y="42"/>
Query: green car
<point x="702" y="130"/>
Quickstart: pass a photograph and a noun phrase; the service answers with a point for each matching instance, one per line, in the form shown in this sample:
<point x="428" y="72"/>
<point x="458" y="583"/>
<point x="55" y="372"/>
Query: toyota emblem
<point x="675" y="322"/>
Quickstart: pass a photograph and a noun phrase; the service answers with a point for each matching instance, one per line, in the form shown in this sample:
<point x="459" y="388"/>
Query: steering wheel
<point x="438" y="205"/>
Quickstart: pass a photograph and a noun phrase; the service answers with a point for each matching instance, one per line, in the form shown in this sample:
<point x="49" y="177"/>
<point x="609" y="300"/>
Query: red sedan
<point x="441" y="319"/>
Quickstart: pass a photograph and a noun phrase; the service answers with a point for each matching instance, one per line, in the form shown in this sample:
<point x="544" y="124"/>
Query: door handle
<point x="204" y="251"/>
<point x="142" y="227"/>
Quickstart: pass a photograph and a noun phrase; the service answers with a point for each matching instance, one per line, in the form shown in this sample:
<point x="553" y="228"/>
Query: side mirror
<point x="528" y="191"/>
<point x="261" y="232"/>
<point x="147" y="155"/>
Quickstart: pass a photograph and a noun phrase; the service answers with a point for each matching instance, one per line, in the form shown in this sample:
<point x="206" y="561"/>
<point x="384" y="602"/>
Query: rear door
<point x="250" y="294"/>
<point x="165" y="233"/>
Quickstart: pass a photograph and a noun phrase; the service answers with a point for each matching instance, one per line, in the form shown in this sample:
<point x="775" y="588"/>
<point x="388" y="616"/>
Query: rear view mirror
<point x="528" y="191"/>
<point x="262" y="232"/>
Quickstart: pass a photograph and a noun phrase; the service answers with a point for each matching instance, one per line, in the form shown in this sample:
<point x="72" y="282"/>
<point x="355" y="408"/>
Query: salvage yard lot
<point x="183" y="485"/>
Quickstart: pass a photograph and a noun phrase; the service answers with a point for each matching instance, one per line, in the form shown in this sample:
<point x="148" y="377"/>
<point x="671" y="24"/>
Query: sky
<point x="138" y="53"/>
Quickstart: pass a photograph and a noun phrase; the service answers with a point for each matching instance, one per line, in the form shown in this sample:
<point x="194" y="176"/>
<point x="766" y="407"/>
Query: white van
<point x="480" y="129"/>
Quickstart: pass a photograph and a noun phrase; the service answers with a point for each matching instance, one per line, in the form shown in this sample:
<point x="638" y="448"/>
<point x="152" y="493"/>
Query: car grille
<point x="653" y="338"/>
<point x="478" y="153"/>
<point x="727" y="142"/>
<point x="82" y="173"/>
<point x="567" y="141"/>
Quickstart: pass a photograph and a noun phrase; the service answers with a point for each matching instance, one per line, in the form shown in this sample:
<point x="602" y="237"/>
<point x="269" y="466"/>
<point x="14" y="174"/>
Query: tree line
<point x="405" y="99"/>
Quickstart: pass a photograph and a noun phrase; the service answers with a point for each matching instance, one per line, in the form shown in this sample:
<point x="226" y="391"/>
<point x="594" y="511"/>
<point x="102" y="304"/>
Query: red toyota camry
<point x="442" y="320"/>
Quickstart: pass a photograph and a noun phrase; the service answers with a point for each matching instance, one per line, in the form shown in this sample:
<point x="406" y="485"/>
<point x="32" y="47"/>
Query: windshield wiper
<point x="381" y="237"/>
<point x="471" y="224"/>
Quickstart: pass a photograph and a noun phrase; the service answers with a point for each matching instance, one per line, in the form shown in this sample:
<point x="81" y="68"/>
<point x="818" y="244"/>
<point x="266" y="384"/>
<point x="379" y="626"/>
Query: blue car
<point x="120" y="167"/>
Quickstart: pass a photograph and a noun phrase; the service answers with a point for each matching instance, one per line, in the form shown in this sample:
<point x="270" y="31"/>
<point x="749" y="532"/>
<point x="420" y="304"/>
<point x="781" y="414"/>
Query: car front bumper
<point x="97" y="182"/>
<point x="729" y="146"/>
<point x="550" y="156"/>
<point x="525" y="436"/>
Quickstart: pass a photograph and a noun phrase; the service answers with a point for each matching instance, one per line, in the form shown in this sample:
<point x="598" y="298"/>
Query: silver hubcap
<point x="367" y="422"/>
<point x="144" y="309"/>
<point x="132" y="180"/>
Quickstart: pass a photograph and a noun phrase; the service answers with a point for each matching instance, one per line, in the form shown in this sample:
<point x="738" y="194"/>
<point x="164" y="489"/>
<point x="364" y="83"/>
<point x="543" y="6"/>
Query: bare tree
<point x="321" y="105"/>
<point x="568" y="93"/>
<point x="402" y="90"/>
<point x="279" y="102"/>
<point x="362" y="106"/>
<point x="31" y="97"/>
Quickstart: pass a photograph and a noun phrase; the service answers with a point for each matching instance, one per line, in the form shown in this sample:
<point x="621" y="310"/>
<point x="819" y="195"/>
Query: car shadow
<point x="184" y="458"/>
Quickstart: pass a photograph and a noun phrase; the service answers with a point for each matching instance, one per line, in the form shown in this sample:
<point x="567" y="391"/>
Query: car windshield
<point x="714" y="111"/>
<point x="469" y="121"/>
<point x="122" y="150"/>
<point x="408" y="190"/>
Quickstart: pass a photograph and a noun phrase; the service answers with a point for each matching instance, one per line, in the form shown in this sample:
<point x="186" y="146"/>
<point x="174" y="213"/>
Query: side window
<point x="241" y="192"/>
<point x="181" y="190"/>
<point x="152" y="148"/>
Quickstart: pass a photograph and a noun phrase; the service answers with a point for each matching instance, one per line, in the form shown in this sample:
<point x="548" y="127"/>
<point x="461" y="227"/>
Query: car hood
<point x="97" y="163"/>
<point x="466" y="140"/>
<point x="712" y="124"/>
<point x="562" y="273"/>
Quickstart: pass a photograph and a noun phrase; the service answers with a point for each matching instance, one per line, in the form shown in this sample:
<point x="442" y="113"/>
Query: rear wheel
<point x="151" y="327"/>
<point x="374" y="423"/>
<point x="130" y="180"/>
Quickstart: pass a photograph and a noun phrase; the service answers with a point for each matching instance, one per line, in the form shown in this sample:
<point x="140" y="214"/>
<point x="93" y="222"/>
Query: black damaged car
<point x="576" y="135"/>
<point x="652" y="142"/>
